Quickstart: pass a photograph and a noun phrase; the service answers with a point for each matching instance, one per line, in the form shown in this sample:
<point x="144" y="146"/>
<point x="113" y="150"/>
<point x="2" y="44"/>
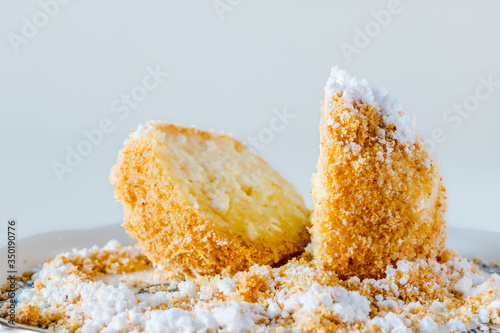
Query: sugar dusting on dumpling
<point x="354" y="89"/>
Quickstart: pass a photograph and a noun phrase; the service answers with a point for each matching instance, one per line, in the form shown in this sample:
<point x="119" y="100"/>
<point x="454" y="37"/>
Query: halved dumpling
<point x="378" y="194"/>
<point x="203" y="203"/>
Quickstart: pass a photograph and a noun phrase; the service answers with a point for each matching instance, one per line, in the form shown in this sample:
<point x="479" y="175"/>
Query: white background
<point x="229" y="74"/>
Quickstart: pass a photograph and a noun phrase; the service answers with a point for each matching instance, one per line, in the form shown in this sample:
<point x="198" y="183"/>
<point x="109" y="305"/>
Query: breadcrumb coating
<point x="377" y="199"/>
<point x="203" y="203"/>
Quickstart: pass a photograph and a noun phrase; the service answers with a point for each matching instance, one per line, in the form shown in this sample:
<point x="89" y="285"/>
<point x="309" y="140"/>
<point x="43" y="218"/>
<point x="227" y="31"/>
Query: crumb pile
<point x="109" y="290"/>
<point x="378" y="194"/>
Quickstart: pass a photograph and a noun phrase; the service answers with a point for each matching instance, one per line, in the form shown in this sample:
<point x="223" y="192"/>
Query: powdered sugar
<point x="457" y="324"/>
<point x="142" y="129"/>
<point x="428" y="325"/>
<point x="349" y="306"/>
<point x="188" y="288"/>
<point x="464" y="285"/>
<point x="226" y="286"/>
<point x="391" y="323"/>
<point x="353" y="89"/>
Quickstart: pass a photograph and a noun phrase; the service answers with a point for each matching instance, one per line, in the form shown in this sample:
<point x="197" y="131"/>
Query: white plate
<point x="33" y="251"/>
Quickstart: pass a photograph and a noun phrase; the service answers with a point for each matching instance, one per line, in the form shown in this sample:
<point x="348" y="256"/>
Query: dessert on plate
<point x="222" y="238"/>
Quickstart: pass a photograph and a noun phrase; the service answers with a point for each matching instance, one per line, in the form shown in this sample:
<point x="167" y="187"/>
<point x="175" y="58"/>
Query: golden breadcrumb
<point x="203" y="203"/>
<point x="376" y="200"/>
<point x="107" y="262"/>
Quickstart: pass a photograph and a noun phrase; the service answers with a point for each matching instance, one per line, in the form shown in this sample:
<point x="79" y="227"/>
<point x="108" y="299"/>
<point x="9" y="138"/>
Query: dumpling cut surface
<point x="378" y="194"/>
<point x="203" y="203"/>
